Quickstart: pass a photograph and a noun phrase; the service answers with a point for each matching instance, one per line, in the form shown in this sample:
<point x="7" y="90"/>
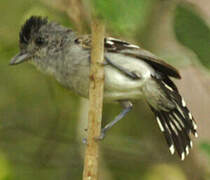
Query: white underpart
<point x="182" y="156"/>
<point x="171" y="148"/>
<point x="117" y="84"/>
<point x="160" y="125"/>
<point x="183" y="103"/>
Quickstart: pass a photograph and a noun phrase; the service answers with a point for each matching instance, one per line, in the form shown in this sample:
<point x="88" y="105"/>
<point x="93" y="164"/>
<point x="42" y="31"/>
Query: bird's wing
<point x="128" y="49"/>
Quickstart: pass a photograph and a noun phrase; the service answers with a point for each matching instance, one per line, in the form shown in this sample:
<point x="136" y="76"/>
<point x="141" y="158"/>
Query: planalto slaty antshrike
<point x="131" y="74"/>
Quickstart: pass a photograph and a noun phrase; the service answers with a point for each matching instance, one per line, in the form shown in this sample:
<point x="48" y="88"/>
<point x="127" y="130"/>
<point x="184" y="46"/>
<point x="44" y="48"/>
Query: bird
<point x="131" y="74"/>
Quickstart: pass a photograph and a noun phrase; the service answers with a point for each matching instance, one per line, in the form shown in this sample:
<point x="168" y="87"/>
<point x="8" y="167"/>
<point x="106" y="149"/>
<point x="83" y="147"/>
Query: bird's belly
<point x="118" y="86"/>
<point x="110" y="96"/>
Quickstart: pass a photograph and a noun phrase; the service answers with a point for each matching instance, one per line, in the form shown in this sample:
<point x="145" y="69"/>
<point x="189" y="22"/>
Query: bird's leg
<point x="129" y="74"/>
<point x="127" y="106"/>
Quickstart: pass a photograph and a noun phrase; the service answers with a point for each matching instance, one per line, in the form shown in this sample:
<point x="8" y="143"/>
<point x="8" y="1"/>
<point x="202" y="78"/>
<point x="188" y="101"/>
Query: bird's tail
<point x="176" y="123"/>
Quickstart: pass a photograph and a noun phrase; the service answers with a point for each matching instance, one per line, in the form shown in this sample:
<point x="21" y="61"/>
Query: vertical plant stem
<point x="96" y="89"/>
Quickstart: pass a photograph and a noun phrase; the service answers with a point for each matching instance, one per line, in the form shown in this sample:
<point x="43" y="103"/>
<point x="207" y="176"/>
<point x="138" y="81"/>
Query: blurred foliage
<point x="124" y="18"/>
<point x="205" y="146"/>
<point x="20" y="11"/>
<point x="5" y="170"/>
<point x="193" y="32"/>
<point x="38" y="118"/>
<point x="158" y="172"/>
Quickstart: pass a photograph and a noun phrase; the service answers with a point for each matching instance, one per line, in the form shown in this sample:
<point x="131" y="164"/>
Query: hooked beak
<point x="19" y="58"/>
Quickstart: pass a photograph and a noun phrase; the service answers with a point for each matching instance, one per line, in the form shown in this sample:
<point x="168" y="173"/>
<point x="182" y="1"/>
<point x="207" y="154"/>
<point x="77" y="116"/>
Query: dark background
<point x="42" y="124"/>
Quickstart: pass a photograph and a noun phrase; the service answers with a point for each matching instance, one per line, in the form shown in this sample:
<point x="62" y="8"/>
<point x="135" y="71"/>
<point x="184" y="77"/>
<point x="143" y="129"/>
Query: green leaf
<point x="192" y="31"/>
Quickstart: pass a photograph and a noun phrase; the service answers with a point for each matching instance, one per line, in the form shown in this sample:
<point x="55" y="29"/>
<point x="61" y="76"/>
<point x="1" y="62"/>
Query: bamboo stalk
<point x="96" y="89"/>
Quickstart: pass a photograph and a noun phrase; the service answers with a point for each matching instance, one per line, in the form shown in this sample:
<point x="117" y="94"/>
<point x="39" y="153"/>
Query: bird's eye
<point x="39" y="41"/>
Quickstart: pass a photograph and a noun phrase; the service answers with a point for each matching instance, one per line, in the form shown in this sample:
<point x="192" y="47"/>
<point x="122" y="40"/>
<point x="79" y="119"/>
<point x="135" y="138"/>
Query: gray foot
<point x="101" y="137"/>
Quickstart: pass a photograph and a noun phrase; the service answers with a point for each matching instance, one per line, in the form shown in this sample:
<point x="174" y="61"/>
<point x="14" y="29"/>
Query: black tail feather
<point x="164" y="128"/>
<point x="176" y="123"/>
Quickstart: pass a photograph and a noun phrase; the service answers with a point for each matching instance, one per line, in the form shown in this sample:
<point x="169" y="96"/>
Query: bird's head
<point x="39" y="40"/>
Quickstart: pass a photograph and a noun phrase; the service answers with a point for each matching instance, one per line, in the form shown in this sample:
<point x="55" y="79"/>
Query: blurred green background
<point x="42" y="124"/>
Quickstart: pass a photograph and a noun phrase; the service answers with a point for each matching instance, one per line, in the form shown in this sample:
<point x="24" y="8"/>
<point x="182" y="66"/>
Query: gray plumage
<point x="131" y="73"/>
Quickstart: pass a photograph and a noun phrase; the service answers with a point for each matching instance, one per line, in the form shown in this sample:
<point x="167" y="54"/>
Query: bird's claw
<point x="101" y="137"/>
